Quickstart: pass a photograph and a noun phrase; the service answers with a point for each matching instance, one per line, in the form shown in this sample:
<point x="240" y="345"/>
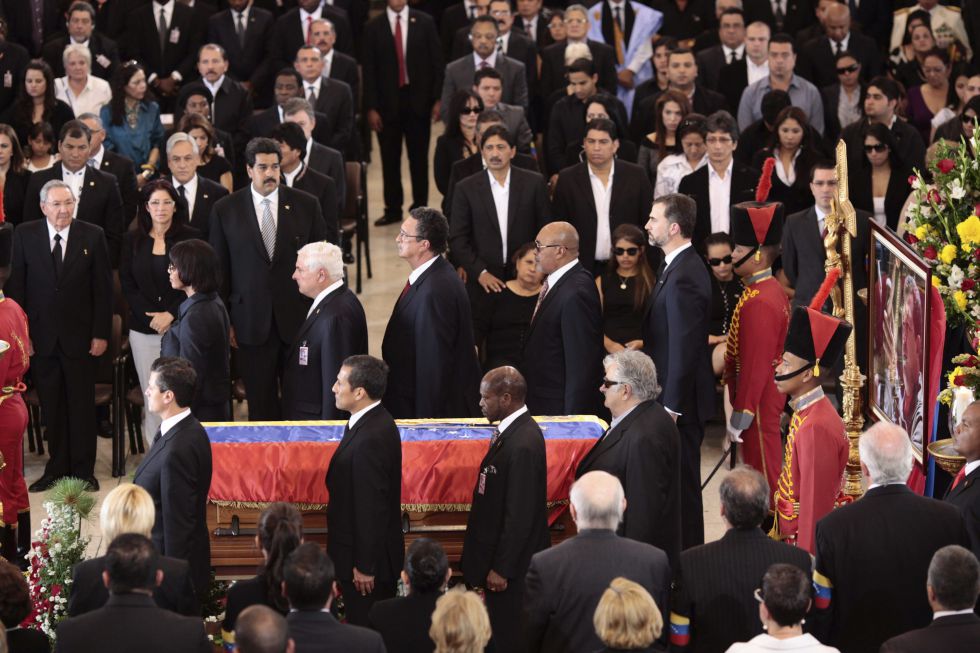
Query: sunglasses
<point x="715" y="262"/>
<point x="606" y="383"/>
<point x="853" y="68"/>
<point x="629" y="251"/>
<point x="966" y="120"/>
<point x="880" y="147"/>
<point x="466" y="110"/>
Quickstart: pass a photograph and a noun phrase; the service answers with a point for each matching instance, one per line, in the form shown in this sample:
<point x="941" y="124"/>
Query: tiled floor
<point x="378" y="296"/>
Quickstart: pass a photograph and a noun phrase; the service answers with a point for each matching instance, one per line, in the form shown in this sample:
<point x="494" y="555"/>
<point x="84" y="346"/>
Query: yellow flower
<point x="935" y="281"/>
<point x="921" y="232"/>
<point x="948" y="255"/>
<point x="969" y="230"/>
<point x="960" y="298"/>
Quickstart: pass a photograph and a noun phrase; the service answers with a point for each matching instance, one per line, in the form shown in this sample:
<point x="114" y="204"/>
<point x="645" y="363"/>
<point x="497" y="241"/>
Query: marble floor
<point x="378" y="296"/>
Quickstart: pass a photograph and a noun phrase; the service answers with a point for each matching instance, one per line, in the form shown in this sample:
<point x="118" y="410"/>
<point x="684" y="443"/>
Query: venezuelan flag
<point x="680" y="630"/>
<point x="823" y="588"/>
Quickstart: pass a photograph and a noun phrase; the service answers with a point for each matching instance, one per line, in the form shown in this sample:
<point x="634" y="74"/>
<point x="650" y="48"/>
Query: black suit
<point x="335" y="101"/>
<point x="13" y="60"/>
<point x="177" y="473"/>
<point x="816" y="61"/>
<point x="175" y="592"/>
<point x="799" y="14"/>
<point x="966" y="497"/>
<point x="265" y="306"/>
<point x="365" y="478"/>
<point x="334" y="330"/>
<point x="508" y="523"/>
<point x="743" y="181"/>
<point x="19" y="17"/>
<point x="263" y="122"/>
<point x="643" y="452"/>
<point x="330" y="162"/>
<point x="320" y="632"/>
<point x="205" y="197"/>
<point x="553" y="67"/>
<point x="324" y="190"/>
<point x="565" y="582"/>
<point x="344" y="68"/>
<point x="473" y="164"/>
<point x="896" y="193"/>
<point x="405" y="112"/>
<point x="715" y="582"/>
<point x="142" y="40"/>
<point x="453" y="19"/>
<point x="710" y="62"/>
<point x="65" y="314"/>
<point x="132" y="620"/>
<point x="542" y="35"/>
<point x="874" y="17"/>
<point x="909" y="147"/>
<point x="105" y="55"/>
<point x="230" y="110"/>
<point x="100" y="203"/>
<point x="563" y="348"/>
<point x="404" y="622"/>
<point x="14" y="196"/>
<point x="200" y="335"/>
<point x="956" y="632"/>
<point x="830" y="95"/>
<point x="428" y="344"/>
<point x="122" y="169"/>
<point x="289" y="34"/>
<point x="631" y="197"/>
<point x="879" y="592"/>
<point x="733" y="79"/>
<point x="674" y="326"/>
<point x="248" y="62"/>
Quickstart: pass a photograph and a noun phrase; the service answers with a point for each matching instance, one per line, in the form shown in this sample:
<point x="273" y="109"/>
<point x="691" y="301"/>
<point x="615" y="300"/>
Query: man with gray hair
<point x="196" y="193"/>
<point x="335" y="328"/>
<point x="952" y="587"/>
<point x="316" y="155"/>
<point x="727" y="572"/>
<point x="564" y="583"/>
<point x="642" y="449"/>
<point x="115" y="164"/>
<point x="872" y="555"/>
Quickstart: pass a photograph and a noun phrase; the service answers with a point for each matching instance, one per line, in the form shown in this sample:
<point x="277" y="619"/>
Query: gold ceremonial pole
<point x="841" y="225"/>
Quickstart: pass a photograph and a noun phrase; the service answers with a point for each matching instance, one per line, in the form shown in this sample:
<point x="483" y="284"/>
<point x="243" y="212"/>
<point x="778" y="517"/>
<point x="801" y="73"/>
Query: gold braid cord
<point x="731" y="344"/>
<point x="784" y="488"/>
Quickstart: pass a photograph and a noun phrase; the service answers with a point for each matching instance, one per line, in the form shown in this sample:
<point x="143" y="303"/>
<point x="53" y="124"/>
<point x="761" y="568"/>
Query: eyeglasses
<point x="403" y="235"/>
<point x="606" y="383"/>
<point x="595" y="116"/>
<point x="156" y="204"/>
<point x="472" y="110"/>
<point x="629" y="251"/>
<point x="880" y="147"/>
<point x="718" y="140"/>
<point x="538" y="246"/>
<point x="715" y="262"/>
<point x="575" y="21"/>
<point x="758" y="595"/>
<point x="853" y="68"/>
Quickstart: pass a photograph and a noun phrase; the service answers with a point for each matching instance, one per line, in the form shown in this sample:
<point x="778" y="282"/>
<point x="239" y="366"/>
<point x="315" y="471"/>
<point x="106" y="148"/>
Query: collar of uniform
<point x="806" y="399"/>
<point x="761" y="275"/>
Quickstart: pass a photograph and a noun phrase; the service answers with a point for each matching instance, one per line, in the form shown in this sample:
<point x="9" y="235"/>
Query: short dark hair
<point x="719" y="238"/>
<point x="954" y="576"/>
<point x="432" y="227"/>
<point x="888" y="87"/>
<point x="846" y="54"/>
<point x="500" y="131"/>
<point x="143" y="220"/>
<point x="176" y="375"/>
<point x="722" y="121"/>
<point x="489" y="116"/>
<point x="521" y="252"/>
<point x="426" y="565"/>
<point x="732" y="11"/>
<point x="80" y="5"/>
<point x="681" y="51"/>
<point x="132" y="563"/>
<point x="744" y="497"/>
<point x="290" y="72"/>
<point x="786" y="592"/>
<point x="582" y="65"/>
<point x="680" y="210"/>
<point x="197" y="265"/>
<point x="485" y="73"/>
<point x="692" y="123"/>
<point x="938" y="53"/>
<point x="823" y="164"/>
<point x="309" y="576"/>
<point x="291" y="134"/>
<point x="602" y="125"/>
<point x="15" y="596"/>
<point x="782" y="37"/>
<point x="75" y="129"/>
<point x="485" y="19"/>
<point x="215" y="46"/>
<point x="261" y="145"/>
<point x="260" y="629"/>
<point x="369" y="373"/>
<point x="772" y="103"/>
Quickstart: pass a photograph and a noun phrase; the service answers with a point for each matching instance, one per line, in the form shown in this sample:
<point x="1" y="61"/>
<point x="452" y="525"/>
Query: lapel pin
<point x="91" y="183"/>
<point x="286" y="207"/>
<point x="205" y="196"/>
<point x="86" y="251"/>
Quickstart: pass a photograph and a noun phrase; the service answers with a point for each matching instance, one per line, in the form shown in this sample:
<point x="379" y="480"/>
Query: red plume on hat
<point x="823" y="327"/>
<point x="765" y="180"/>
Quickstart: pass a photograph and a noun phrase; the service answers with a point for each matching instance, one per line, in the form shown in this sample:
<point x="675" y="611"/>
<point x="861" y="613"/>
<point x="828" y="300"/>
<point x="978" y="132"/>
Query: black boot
<point x="24" y="537"/>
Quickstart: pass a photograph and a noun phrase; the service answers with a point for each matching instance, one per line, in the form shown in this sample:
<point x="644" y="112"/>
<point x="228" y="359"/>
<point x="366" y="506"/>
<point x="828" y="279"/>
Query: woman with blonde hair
<point x="627" y="617"/>
<point x="460" y="623"/>
<point x="129" y="509"/>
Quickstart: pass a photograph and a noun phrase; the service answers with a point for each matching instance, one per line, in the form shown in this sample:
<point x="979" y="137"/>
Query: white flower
<point x="955" y="277"/>
<point x="917" y="184"/>
<point x="956" y="190"/>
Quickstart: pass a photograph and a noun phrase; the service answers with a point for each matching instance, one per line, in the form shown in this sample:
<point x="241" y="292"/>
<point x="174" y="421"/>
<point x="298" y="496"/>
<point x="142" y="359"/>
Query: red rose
<point x="912" y="179"/>
<point x="970" y="362"/>
<point x="945" y="165"/>
<point x="930" y="253"/>
<point x="976" y="253"/>
<point x="934" y="197"/>
<point x="968" y="284"/>
<point x="959" y="379"/>
<point x="910" y="238"/>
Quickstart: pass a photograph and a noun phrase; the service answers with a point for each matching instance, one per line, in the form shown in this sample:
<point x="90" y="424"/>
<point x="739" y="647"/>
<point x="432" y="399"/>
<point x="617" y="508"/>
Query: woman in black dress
<point x="213" y="165"/>
<point x="502" y="322"/>
<point x="280" y="531"/>
<point x="13" y="175"/>
<point x="726" y="289"/>
<point x="459" y="140"/>
<point x="624" y="290"/>
<point x="36" y="103"/>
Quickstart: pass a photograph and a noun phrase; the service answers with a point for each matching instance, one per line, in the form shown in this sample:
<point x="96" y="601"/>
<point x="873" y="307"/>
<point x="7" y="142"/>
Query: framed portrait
<point x="898" y="317"/>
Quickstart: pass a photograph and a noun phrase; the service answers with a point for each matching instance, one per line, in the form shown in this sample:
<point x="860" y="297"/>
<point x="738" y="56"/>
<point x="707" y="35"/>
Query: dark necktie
<point x="56" y="256"/>
<point x="162" y="28"/>
<point x="494" y="437"/>
<point x="661" y="270"/>
<point x="240" y="30"/>
<point x="838" y="46"/>
<point x="731" y="57"/>
<point x="182" y="192"/>
<point x="156" y="437"/>
<point x="400" y="53"/>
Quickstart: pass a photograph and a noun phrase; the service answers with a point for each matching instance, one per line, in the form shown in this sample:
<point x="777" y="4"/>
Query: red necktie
<point x="408" y="284"/>
<point x="309" y="28"/>
<point x="960" y="475"/>
<point x="544" y="291"/>
<point x="400" y="52"/>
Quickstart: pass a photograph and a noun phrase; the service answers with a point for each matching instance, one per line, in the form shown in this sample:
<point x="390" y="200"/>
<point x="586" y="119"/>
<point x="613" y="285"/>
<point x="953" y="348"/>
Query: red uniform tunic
<point x="813" y="469"/>
<point x="13" y="412"/>
<point x="755" y="347"/>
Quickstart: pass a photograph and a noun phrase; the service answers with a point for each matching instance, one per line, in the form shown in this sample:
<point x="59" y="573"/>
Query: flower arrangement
<point x="965" y="376"/>
<point x="944" y="227"/>
<point x="58" y="545"/>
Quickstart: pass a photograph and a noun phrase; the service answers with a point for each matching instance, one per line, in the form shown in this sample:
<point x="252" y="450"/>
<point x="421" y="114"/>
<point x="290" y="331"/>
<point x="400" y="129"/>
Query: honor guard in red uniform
<point x="15" y="516"/>
<point x="811" y="482"/>
<point x="756" y="334"/>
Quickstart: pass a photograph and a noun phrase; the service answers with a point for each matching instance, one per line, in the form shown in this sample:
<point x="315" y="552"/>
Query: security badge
<point x="103" y="61"/>
<point x="175" y="35"/>
<point x="8" y="79"/>
<point x="304" y="354"/>
<point x="482" y="485"/>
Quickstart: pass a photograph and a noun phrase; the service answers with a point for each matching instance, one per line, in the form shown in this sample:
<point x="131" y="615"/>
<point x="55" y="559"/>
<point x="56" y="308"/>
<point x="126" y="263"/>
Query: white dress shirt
<point x="95" y="95"/>
<point x="669" y="258"/>
<point x="843" y="44"/>
<point x="727" y="51"/>
<point x="787" y="176"/>
<point x="290" y="177"/>
<point x="950" y="613"/>
<point x="971" y="466"/>
<point x="168" y="13"/>
<point x="491" y="60"/>
<point x="404" y="22"/>
<point x="503" y="41"/>
<point x="821" y="218"/>
<point x="756" y="72"/>
<point x="96" y="159"/>
<point x="64" y="238"/>
<point x="314" y="85"/>
<point x="602" y="194"/>
<point x="355" y="417"/>
<point x="257" y="200"/>
<point x="327" y="63"/>
<point x="75" y="181"/>
<point x="530" y="27"/>
<point x="719" y="195"/>
<point x="305" y="16"/>
<point x="190" y="194"/>
<point x="417" y="272"/>
<point x="501" y="199"/>
<point x="507" y="421"/>
<point x="171" y="422"/>
<point x="556" y="276"/>
<point x="323" y="293"/>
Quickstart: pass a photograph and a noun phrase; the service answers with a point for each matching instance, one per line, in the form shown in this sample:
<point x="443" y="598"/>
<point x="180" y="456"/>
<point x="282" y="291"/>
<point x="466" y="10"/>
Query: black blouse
<point x="214" y="168"/>
<point x="724" y="298"/>
<point x="501" y="324"/>
<point x="621" y="321"/>
<point x="14" y="190"/>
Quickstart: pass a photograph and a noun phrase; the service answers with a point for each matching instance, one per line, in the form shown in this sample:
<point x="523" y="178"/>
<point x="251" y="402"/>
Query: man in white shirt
<point x="757" y="51"/>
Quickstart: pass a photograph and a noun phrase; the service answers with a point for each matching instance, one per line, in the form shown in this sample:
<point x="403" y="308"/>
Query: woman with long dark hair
<point x="607" y="107"/>
<point x="880" y="184"/>
<point x="213" y="165"/>
<point x="624" y="288"/>
<point x="161" y="222"/>
<point x="790" y="146"/>
<point x="459" y="140"/>
<point x="936" y="94"/>
<point x="13" y="175"/>
<point x="279" y="532"/>
<point x="671" y="108"/>
<point x="36" y="102"/>
<point x="132" y="121"/>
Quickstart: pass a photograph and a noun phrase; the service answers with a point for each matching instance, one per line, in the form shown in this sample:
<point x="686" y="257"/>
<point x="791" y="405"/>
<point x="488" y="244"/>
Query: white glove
<point x="734" y="435"/>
